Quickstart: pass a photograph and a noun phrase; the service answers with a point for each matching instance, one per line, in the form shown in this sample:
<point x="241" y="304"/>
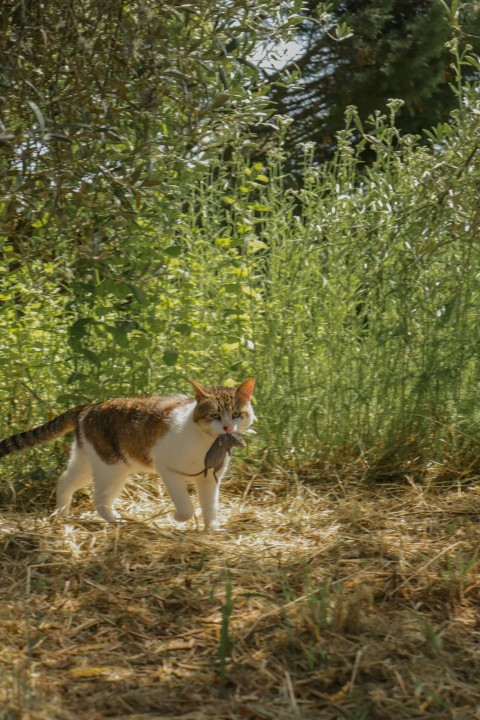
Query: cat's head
<point x="223" y="409"/>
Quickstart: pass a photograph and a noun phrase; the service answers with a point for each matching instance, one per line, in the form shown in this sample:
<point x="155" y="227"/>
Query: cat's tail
<point x="55" y="428"/>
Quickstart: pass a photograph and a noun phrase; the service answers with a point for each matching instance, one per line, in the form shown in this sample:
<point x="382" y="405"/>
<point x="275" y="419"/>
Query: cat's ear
<point x="245" y="389"/>
<point x="200" y="391"/>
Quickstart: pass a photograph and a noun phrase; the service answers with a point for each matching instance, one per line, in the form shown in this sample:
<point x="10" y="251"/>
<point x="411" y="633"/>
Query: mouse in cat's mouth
<point x="217" y="454"/>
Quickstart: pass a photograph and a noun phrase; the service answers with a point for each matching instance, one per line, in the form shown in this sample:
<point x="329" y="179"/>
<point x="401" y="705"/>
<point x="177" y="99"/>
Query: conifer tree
<point x="396" y="49"/>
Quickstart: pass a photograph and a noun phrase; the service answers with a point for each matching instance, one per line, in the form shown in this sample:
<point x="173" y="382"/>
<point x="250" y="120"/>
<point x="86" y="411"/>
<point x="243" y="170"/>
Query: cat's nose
<point x="228" y="428"/>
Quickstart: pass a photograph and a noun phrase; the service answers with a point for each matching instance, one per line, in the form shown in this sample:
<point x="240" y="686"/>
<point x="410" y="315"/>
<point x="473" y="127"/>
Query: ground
<point x="319" y="598"/>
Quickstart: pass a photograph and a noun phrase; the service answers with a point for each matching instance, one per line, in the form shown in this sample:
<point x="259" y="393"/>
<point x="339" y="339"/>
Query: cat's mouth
<point x="209" y="429"/>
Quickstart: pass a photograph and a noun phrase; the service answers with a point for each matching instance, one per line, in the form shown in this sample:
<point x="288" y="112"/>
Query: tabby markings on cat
<point x="145" y="434"/>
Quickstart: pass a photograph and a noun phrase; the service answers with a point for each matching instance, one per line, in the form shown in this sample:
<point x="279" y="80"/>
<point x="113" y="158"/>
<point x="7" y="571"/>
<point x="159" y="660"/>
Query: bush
<point x="353" y="301"/>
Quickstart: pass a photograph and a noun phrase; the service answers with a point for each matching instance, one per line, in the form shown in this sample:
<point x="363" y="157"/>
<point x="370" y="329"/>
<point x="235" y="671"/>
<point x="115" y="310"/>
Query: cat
<point x="145" y="434"/>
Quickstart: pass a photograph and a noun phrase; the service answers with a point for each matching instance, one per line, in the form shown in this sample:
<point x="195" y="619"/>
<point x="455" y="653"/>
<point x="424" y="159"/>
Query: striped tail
<point x="57" y="427"/>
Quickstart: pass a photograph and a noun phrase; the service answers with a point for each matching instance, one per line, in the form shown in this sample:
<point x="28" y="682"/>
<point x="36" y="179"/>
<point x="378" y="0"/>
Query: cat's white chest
<point x="184" y="445"/>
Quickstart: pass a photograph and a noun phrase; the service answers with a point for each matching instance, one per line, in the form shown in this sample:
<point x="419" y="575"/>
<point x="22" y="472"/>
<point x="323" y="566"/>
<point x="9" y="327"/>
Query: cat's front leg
<point x="177" y="489"/>
<point x="207" y="489"/>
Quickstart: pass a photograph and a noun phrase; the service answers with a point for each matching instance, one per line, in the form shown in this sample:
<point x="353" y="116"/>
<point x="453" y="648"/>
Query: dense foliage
<point x="354" y="301"/>
<point x="103" y="104"/>
<point x="379" y="49"/>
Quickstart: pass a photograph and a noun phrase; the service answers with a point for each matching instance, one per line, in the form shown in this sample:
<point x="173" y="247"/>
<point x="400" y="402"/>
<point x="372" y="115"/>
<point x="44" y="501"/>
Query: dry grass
<point x="347" y="600"/>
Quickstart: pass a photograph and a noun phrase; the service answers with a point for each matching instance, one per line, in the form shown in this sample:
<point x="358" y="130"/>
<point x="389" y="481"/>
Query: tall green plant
<point x="353" y="301"/>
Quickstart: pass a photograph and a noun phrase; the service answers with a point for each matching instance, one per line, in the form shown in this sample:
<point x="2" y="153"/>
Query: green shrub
<point x="353" y="301"/>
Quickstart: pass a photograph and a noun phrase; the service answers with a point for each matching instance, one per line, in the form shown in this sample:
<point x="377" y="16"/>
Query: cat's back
<point x="130" y="426"/>
<point x="129" y="409"/>
<point x="154" y="412"/>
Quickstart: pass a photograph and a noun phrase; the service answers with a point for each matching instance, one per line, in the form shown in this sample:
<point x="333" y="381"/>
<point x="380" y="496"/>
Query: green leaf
<point x="76" y="375"/>
<point x="38" y="113"/>
<point x="42" y="221"/>
<point x="126" y="326"/>
<point x="183" y="328"/>
<point x="118" y="289"/>
<point x="79" y="328"/>
<point x="138" y="293"/>
<point x="173" y="251"/>
<point x="121" y="339"/>
<point x="225" y="242"/>
<point x="141" y="342"/>
<point x="170" y="357"/>
<point x="58" y="137"/>
<point x="219" y="100"/>
<point x="91" y="356"/>
<point x="257" y="244"/>
<point x="358" y="123"/>
<point x="230" y="287"/>
<point x="247" y="290"/>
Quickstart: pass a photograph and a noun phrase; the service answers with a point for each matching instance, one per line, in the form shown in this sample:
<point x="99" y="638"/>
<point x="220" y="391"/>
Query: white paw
<point x="212" y="526"/>
<point x="108" y="514"/>
<point x="183" y="516"/>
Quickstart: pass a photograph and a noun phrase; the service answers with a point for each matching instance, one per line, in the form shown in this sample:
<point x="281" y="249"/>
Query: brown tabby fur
<point x="51" y="430"/>
<point x="114" y="427"/>
<point x="129" y="426"/>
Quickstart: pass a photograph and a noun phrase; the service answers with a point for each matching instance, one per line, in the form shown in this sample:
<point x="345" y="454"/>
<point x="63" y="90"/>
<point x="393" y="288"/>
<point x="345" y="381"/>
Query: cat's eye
<point x="236" y="415"/>
<point x="215" y="416"/>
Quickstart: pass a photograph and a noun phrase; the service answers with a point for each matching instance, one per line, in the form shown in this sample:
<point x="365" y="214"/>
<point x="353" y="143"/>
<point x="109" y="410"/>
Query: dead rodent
<point x="217" y="453"/>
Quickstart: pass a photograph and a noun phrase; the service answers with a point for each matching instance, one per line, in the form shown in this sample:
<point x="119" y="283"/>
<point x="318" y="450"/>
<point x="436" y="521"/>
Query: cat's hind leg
<point x="108" y="483"/>
<point x="78" y="474"/>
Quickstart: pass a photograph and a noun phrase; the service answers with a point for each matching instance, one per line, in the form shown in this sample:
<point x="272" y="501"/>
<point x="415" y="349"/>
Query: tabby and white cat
<point x="145" y="434"/>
